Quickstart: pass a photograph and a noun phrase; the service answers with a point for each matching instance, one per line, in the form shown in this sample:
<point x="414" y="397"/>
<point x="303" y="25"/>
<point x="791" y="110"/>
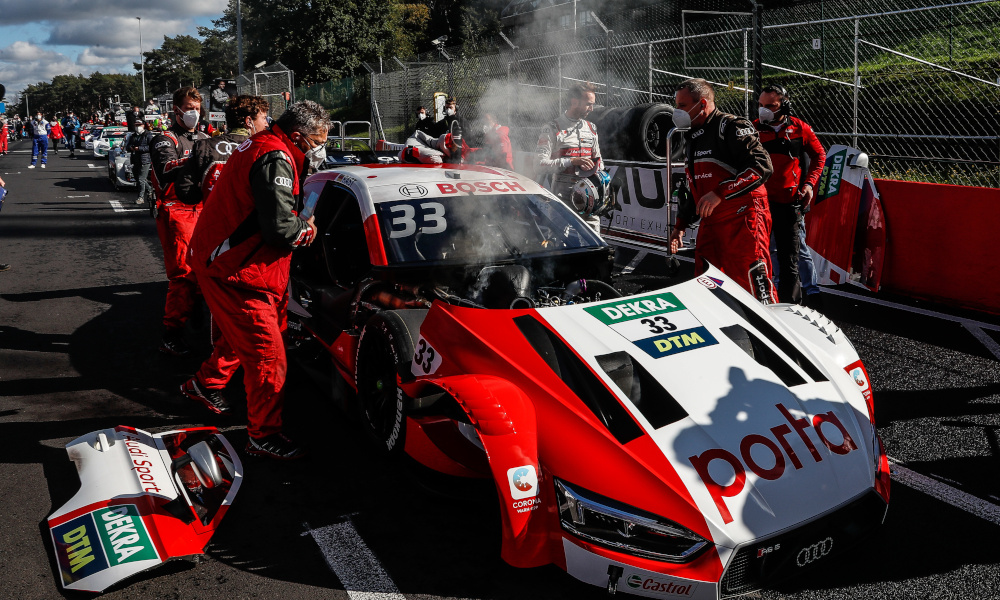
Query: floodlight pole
<point x="142" y="62"/>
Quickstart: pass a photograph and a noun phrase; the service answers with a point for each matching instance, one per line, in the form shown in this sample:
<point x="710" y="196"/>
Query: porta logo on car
<point x="720" y="492"/>
<point x="523" y="482"/>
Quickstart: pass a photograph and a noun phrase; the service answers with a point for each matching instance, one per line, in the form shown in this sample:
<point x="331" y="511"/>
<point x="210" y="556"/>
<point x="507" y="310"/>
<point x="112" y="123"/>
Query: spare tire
<point x="637" y="133"/>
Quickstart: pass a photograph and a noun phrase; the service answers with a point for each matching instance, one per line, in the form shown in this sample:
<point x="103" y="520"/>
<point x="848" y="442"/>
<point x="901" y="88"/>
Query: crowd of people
<point x="226" y="219"/>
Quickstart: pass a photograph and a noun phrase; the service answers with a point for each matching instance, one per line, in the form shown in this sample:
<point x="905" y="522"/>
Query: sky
<point x="40" y="39"/>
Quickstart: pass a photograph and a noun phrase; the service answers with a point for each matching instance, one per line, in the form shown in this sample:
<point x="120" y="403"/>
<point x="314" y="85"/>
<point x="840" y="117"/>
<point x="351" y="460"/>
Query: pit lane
<point x="79" y="326"/>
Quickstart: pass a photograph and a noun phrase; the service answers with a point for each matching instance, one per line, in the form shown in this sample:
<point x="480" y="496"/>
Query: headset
<point x="786" y="101"/>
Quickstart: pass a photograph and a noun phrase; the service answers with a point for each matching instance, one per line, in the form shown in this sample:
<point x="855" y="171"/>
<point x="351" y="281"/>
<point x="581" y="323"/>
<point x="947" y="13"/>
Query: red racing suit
<point x="725" y="155"/>
<point x="788" y="148"/>
<point x="175" y="222"/>
<point x="241" y="252"/>
<point x="788" y="143"/>
<point x="3" y="137"/>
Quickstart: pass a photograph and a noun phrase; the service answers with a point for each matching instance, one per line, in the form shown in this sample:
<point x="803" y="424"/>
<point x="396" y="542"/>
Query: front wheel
<point x="386" y="345"/>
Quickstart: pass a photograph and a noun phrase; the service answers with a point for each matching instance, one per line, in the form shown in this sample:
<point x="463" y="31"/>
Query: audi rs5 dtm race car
<point x="108" y="138"/>
<point x="682" y="442"/>
<point x="120" y="166"/>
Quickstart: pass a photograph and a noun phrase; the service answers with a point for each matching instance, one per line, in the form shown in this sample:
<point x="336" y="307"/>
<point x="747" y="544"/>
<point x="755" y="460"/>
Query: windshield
<point x="479" y="228"/>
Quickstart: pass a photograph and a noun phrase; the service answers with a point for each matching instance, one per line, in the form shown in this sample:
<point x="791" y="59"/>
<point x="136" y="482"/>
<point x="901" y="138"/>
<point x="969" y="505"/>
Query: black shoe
<point x="4" y="266"/>
<point x="173" y="343"/>
<point x="276" y="446"/>
<point x="211" y="399"/>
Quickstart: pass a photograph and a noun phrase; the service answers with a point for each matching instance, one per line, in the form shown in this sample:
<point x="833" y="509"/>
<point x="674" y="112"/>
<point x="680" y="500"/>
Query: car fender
<point x="504" y="418"/>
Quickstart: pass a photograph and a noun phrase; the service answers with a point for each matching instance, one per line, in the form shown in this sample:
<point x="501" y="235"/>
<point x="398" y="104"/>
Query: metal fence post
<point x="559" y="81"/>
<point x="758" y="47"/>
<point x="609" y="48"/>
<point x="857" y="81"/>
<point x="650" y="70"/>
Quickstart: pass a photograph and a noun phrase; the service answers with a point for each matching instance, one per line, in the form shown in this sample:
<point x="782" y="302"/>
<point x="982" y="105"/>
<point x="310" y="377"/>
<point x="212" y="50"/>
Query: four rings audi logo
<point x="225" y="148"/>
<point x="413" y="190"/>
<point x="814" y="552"/>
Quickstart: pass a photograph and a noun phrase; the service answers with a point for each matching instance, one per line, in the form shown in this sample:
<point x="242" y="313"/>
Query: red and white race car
<point x="681" y="442"/>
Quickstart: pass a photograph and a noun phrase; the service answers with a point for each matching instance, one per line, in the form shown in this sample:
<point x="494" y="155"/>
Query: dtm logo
<point x="413" y="191"/>
<point x="811" y="554"/>
<point x="523" y="482"/>
<point x="771" y="451"/>
<point x="668" y="588"/>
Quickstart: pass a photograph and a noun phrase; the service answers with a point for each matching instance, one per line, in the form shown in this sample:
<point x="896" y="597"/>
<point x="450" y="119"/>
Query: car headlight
<point x="618" y="526"/>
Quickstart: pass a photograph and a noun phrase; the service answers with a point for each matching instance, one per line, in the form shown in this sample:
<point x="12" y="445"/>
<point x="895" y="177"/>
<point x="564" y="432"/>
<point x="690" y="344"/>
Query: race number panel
<point x="659" y="324"/>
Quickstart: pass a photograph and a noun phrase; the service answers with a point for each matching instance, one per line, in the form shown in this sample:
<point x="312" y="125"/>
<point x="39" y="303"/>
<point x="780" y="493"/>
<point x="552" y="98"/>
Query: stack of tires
<point x="636" y="133"/>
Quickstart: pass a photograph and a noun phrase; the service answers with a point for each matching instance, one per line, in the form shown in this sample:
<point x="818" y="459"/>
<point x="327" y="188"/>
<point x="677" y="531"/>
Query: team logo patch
<point x="283" y="182"/>
<point x="225" y="148"/>
<point x="709" y="282"/>
<point x="523" y="482"/>
<point x="163" y="144"/>
<point x="246" y="144"/>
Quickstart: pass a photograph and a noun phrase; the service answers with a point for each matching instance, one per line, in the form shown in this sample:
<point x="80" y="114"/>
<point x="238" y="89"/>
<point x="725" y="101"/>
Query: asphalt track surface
<point x="80" y="317"/>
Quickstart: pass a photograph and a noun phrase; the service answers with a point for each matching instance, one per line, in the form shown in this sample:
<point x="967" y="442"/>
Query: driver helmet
<point x="590" y="195"/>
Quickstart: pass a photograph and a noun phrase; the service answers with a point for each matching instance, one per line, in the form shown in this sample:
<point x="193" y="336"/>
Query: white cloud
<point x="57" y="11"/>
<point x="102" y="55"/>
<point x="117" y="32"/>
<point x="26" y="52"/>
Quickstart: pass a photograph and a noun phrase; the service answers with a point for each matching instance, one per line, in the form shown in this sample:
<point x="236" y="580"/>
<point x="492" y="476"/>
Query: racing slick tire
<point x="635" y="133"/>
<point x="384" y="350"/>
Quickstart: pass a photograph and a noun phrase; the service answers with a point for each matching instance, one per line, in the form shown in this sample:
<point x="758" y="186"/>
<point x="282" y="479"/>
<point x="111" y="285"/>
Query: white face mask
<point x="681" y="118"/>
<point x="317" y="156"/>
<point x="140" y="129"/>
<point x="422" y="116"/>
<point x="450" y="112"/>
<point x="190" y="118"/>
<point x="766" y="115"/>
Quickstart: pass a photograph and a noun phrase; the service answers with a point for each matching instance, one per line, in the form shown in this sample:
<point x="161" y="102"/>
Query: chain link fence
<point x="270" y="81"/>
<point x="914" y="83"/>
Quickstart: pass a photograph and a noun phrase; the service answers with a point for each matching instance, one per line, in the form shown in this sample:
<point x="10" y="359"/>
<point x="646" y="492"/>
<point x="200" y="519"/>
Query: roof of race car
<point x="392" y="182"/>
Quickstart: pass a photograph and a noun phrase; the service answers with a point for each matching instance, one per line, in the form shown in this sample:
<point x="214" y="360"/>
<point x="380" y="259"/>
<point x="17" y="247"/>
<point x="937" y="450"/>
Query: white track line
<point x="945" y="493"/>
<point x="639" y="257"/>
<point x="115" y="204"/>
<point x="354" y="563"/>
<point x="986" y="340"/>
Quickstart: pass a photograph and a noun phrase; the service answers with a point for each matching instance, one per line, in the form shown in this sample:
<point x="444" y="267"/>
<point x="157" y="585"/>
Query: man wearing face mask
<point x="450" y="123"/>
<point x="424" y="123"/>
<point x="175" y="220"/>
<point x="242" y="250"/>
<point x="138" y="146"/>
<point x="789" y="140"/>
<point x="726" y="168"/>
<point x="245" y="116"/>
<point x="568" y="149"/>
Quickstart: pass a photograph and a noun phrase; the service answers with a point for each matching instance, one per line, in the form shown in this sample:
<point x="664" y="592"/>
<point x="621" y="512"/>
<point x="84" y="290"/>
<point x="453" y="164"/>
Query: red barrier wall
<point x="943" y="243"/>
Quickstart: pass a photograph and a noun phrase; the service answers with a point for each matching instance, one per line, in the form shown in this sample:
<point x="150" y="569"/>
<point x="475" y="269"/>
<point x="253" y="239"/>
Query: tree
<point x="218" y="52"/>
<point x="174" y="64"/>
